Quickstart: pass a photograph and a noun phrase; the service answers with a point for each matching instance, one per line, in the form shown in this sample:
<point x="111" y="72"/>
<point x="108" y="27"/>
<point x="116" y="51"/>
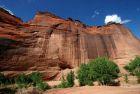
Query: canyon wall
<point x="49" y="44"/>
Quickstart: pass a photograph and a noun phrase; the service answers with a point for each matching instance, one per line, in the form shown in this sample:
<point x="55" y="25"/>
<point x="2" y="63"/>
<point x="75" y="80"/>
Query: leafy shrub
<point x="5" y="80"/>
<point x="90" y="83"/>
<point x="35" y="78"/>
<point x="42" y="86"/>
<point x="126" y="78"/>
<point x="102" y="70"/>
<point x="2" y="78"/>
<point x="69" y="82"/>
<point x="21" y="81"/>
<point x="137" y="73"/>
<point x="134" y="67"/>
<point x="63" y="83"/>
<point x="70" y="79"/>
<point x="83" y="75"/>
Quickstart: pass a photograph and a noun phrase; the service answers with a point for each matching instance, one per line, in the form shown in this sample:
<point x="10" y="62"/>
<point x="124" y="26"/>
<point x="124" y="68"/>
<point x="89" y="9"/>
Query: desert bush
<point x="21" y="81"/>
<point x="35" y="78"/>
<point x="2" y="79"/>
<point x="102" y="70"/>
<point x="69" y="82"/>
<point x="70" y="79"/>
<point x="5" y="80"/>
<point x="126" y="78"/>
<point x="63" y="83"/>
<point x="137" y="74"/>
<point x="42" y="86"/>
<point x="133" y="66"/>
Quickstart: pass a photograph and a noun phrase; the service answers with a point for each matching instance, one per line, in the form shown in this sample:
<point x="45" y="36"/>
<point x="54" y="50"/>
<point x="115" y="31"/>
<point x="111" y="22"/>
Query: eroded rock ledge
<point x="50" y="44"/>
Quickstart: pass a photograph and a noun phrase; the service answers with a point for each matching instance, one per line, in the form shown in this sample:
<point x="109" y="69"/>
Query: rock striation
<point x="49" y="44"/>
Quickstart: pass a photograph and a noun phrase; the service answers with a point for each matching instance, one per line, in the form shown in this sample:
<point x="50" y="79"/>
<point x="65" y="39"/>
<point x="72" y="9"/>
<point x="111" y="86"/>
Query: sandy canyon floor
<point x="97" y="90"/>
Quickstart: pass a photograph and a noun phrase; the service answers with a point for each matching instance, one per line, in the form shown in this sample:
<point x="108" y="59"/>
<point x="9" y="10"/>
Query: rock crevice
<point x="49" y="43"/>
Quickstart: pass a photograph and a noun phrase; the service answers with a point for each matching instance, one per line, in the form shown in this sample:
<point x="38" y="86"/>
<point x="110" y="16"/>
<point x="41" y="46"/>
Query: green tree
<point x="101" y="69"/>
<point x="83" y="75"/>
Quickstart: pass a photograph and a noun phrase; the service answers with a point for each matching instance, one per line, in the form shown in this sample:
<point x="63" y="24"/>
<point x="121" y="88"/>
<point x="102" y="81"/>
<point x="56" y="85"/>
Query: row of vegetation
<point x="24" y="81"/>
<point x="35" y="80"/>
<point x="134" y="67"/>
<point x="101" y="70"/>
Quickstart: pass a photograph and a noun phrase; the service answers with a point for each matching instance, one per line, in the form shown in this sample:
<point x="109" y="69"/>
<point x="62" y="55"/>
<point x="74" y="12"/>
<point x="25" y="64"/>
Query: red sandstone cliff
<point x="50" y="44"/>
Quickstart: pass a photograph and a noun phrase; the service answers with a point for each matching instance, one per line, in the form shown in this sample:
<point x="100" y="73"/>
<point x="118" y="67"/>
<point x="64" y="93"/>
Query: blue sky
<point x="91" y="12"/>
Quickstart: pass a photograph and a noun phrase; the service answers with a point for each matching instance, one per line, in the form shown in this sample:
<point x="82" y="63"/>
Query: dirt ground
<point x="97" y="90"/>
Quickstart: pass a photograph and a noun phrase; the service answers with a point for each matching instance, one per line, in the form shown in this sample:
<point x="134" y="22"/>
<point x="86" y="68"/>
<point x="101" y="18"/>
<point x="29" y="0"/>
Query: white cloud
<point x="126" y="21"/>
<point x="10" y="11"/>
<point x="2" y="6"/>
<point x="115" y="18"/>
<point x="95" y="14"/>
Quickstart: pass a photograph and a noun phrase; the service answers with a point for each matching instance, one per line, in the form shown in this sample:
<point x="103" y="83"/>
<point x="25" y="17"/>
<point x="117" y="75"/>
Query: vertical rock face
<point x="50" y="44"/>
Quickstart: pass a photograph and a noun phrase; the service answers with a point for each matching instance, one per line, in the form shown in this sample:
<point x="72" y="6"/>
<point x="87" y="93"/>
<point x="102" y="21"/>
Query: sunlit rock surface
<point x="49" y="44"/>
